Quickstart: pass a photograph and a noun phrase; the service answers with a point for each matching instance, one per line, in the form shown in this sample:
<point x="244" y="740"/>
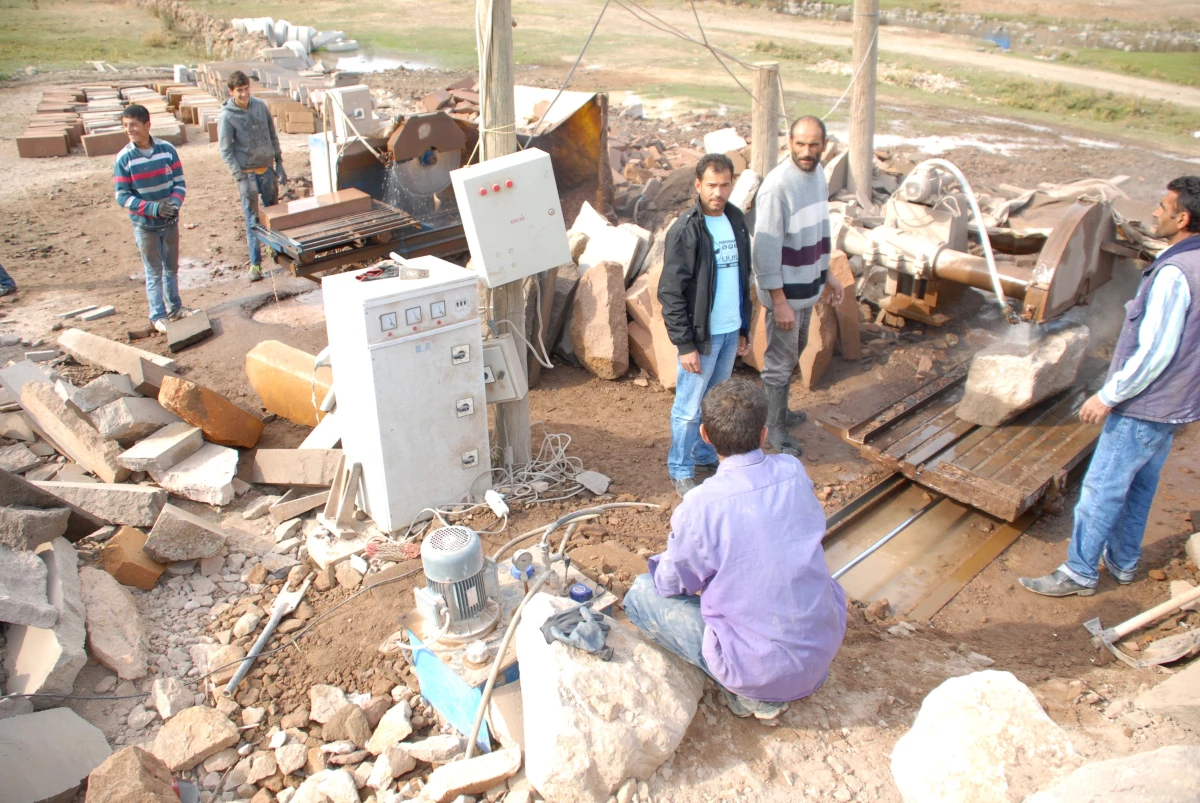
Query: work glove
<point x="280" y="173"/>
<point x="168" y="210"/>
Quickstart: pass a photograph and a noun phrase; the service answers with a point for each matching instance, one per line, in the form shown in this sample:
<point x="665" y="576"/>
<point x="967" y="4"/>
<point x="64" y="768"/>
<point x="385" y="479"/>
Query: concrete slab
<point x="98" y="313"/>
<point x="113" y="503"/>
<point x="107" y="354"/>
<point x="16" y="491"/>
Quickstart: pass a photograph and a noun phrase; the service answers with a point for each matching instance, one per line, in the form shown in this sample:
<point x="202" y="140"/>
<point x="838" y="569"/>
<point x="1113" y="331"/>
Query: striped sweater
<point x="142" y="182"/>
<point x="791" y="235"/>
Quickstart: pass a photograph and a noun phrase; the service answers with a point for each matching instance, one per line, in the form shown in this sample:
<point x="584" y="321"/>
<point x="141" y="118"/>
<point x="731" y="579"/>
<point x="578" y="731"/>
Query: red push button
<point x="508" y="183"/>
<point x="483" y="191"/>
<point x="495" y="188"/>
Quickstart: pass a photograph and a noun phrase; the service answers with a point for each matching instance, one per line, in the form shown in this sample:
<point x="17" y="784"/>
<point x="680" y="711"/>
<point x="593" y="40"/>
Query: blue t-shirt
<point x="727" y="299"/>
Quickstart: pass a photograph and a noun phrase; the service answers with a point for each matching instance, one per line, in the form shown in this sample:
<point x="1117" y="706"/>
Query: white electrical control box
<point x="512" y="216"/>
<point x="407" y="358"/>
<point x="355" y="104"/>
<point x="504" y="370"/>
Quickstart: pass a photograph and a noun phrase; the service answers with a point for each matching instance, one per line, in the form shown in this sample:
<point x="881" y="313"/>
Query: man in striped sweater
<point x="791" y="267"/>
<point x="149" y="182"/>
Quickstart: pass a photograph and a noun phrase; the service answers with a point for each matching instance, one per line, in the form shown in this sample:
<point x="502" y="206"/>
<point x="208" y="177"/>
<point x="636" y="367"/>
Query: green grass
<point x="1175" y="68"/>
<point x="809" y="54"/>
<point x="66" y="34"/>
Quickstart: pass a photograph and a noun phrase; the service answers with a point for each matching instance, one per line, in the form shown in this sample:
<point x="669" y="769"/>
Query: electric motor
<point x="461" y="585"/>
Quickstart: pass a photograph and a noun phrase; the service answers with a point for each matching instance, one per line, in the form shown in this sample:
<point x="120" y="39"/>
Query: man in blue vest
<point x="1153" y="387"/>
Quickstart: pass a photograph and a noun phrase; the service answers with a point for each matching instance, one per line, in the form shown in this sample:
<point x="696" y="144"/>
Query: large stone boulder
<point x="1021" y="371"/>
<point x="1167" y="775"/>
<point x="590" y="724"/>
<point x="115" y="635"/>
<point x="193" y="735"/>
<point x="983" y="738"/>
<point x="131" y="775"/>
<point x="599" y="329"/>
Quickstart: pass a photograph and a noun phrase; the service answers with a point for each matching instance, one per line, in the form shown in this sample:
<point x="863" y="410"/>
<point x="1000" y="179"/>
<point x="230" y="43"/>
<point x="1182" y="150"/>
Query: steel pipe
<point x="955" y="266"/>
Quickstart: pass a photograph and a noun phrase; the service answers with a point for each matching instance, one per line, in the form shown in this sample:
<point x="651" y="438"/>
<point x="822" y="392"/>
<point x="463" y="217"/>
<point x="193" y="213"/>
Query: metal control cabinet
<point x="407" y="358"/>
<point x="512" y="216"/>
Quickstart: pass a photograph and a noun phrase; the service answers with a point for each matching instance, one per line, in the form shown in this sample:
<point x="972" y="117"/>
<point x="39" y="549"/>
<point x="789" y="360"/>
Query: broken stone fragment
<point x="395" y="727"/>
<point x="129" y="419"/>
<point x="115" y="634"/>
<point x="205" y="476"/>
<point x="124" y="557"/>
<point x="599" y="330"/>
<point x="179" y="535"/>
<point x="46" y="755"/>
<point x="162" y="450"/>
<point x="72" y="433"/>
<point x="325" y="701"/>
<point x="115" y="503"/>
<point x="26" y="528"/>
<point x="192" y="736"/>
<point x="132" y="775"/>
<point x="23" y="594"/>
<point x="222" y="421"/>
<point x="472" y="776"/>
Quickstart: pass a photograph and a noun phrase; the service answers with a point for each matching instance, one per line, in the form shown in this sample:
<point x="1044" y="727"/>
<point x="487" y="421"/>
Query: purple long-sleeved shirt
<point x="750" y="539"/>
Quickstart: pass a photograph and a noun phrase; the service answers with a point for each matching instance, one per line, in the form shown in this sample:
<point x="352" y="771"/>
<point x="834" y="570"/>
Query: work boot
<point x="744" y="707"/>
<point x="256" y="273"/>
<point x="1056" y="584"/>
<point x="795" y="418"/>
<point x="777" y="434"/>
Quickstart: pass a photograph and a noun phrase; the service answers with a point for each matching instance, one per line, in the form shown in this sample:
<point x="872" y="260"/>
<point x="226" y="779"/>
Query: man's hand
<point x="168" y="210"/>
<point x="834" y="292"/>
<point x="743" y="346"/>
<point x="1094" y="411"/>
<point x="785" y="316"/>
<point x="690" y="362"/>
<point x="280" y="173"/>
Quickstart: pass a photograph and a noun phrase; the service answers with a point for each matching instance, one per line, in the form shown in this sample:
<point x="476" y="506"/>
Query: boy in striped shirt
<point x="149" y="183"/>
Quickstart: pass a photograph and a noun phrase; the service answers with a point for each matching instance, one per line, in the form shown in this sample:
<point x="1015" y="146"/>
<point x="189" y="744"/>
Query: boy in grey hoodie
<point x="250" y="149"/>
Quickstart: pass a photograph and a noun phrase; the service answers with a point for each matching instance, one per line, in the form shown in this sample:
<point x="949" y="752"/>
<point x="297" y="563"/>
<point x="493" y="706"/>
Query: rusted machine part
<point x="960" y="268"/>
<point x="1073" y="263"/>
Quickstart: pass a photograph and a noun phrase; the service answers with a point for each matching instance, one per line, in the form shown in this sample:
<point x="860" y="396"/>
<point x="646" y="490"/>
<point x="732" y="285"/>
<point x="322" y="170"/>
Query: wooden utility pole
<point x="767" y="114"/>
<point x="498" y="137"/>
<point x="862" y="101"/>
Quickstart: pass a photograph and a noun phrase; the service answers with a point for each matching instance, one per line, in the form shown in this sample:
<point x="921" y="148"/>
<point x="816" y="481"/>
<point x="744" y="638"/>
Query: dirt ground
<point x="67" y="244"/>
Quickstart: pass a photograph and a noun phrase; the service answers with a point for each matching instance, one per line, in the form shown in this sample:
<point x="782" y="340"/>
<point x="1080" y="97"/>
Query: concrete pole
<point x="862" y="100"/>
<point x="766" y="118"/>
<point x="498" y="137"/>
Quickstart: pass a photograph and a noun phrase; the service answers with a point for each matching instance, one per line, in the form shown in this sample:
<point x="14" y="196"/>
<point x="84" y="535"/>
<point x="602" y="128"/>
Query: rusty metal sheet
<point x="858" y="434"/>
<point x="1073" y="262"/>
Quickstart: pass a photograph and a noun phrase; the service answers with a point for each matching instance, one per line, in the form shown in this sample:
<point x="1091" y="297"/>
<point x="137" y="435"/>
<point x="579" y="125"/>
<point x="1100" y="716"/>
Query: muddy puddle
<point x="298" y="312"/>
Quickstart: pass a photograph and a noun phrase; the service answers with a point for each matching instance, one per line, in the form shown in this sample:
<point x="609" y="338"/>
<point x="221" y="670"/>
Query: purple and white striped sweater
<point x="791" y="235"/>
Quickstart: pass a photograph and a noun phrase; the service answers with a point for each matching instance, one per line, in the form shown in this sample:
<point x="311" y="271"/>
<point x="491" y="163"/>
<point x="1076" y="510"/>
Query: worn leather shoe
<point x="683" y="485"/>
<point x="1056" y="584"/>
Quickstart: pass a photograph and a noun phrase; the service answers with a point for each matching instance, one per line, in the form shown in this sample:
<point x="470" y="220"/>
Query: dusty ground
<point x="66" y="243"/>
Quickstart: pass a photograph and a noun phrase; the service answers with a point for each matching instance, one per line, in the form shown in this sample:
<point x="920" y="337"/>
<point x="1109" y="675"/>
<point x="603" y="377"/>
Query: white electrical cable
<point x="1009" y="314"/>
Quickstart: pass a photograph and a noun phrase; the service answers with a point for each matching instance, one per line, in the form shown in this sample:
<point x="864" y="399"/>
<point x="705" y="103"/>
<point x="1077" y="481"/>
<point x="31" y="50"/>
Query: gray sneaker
<point x="744" y="707"/>
<point x="683" y="485"/>
<point x="180" y="313"/>
<point x="1056" y="584"/>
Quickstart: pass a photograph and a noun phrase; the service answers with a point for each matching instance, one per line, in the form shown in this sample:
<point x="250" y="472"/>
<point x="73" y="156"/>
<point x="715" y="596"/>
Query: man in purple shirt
<point x="743" y="591"/>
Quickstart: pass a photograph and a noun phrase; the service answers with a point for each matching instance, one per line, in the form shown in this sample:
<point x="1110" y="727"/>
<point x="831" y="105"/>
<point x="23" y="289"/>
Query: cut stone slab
<point x="16" y="491"/>
<point x="98" y="313"/>
<point x="599" y="329"/>
<point x="114" y="629"/>
<point x="193" y="735"/>
<point x="1008" y="378"/>
<point x="132" y="775"/>
<point x="123" y="557"/>
<point x="472" y="776"/>
<point x="982" y="737"/>
<point x="81" y="442"/>
<point x="23" y="591"/>
<point x="295" y="503"/>
<point x="849" y="341"/>
<point x="102" y="390"/>
<point x="222" y="421"/>
<point x="130" y="419"/>
<point x="206" y="476"/>
<point x="1166" y="775"/>
<point x="162" y="450"/>
<point x="16" y="376"/>
<point x="316" y="467"/>
<point x="107" y="354"/>
<point x="179" y="535"/>
<point x="28" y="527"/>
<point x="45" y="756"/>
<point x="47" y="660"/>
<point x="822" y="339"/>
<point x="15" y="426"/>
<point x="579" y="743"/>
<point x="1177" y="697"/>
<point x="114" y="503"/>
<point x="506" y="715"/>
<point x="77" y="312"/>
<point x="287" y="379"/>
<point x="612" y="244"/>
<point x="188" y="331"/>
<point x="18" y="459"/>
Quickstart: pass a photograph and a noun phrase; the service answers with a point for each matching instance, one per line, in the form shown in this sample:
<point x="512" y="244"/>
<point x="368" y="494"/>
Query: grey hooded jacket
<point x="247" y="137"/>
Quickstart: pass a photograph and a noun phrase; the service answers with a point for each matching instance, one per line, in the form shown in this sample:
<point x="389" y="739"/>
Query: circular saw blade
<point x="421" y="179"/>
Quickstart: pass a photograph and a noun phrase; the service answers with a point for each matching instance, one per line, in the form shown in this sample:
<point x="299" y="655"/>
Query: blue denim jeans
<point x="6" y="281"/>
<point x="250" y="189"/>
<point x="674" y="623"/>
<point x="1114" y="504"/>
<point x="687" y="448"/>
<point x="160" y="258"/>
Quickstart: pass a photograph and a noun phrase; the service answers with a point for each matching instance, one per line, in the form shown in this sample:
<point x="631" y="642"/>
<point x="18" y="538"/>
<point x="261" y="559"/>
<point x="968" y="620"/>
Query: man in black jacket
<point x="705" y="294"/>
